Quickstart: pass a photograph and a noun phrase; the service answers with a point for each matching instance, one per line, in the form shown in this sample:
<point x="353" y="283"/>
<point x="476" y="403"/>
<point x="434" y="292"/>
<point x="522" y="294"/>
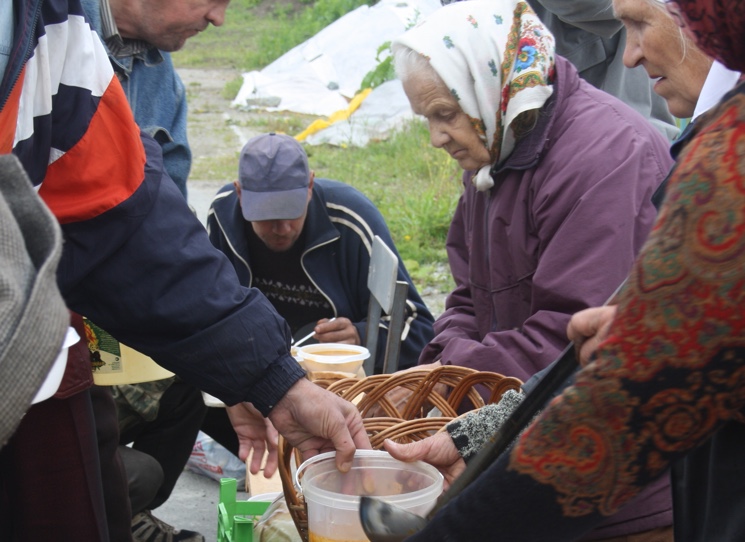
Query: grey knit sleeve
<point x="470" y="432"/>
<point x="33" y="316"/>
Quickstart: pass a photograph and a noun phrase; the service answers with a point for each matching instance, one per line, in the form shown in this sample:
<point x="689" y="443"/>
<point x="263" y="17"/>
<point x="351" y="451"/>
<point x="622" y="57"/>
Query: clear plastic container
<point x="337" y="357"/>
<point x="333" y="498"/>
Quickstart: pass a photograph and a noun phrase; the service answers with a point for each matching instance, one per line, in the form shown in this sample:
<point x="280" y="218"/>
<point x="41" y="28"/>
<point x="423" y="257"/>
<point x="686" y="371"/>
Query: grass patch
<point x="219" y="168"/>
<point x="231" y="88"/>
<point x="256" y="32"/>
<point x="414" y="185"/>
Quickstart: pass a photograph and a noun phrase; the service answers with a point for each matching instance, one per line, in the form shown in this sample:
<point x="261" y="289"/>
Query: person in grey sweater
<point x="33" y="316"/>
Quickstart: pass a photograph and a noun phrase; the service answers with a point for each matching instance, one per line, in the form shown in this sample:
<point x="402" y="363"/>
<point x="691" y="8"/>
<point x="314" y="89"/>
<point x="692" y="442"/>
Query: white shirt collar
<point x="719" y="81"/>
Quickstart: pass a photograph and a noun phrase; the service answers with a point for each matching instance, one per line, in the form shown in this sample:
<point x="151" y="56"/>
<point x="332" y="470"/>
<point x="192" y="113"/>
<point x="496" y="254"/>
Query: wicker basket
<point x="450" y="389"/>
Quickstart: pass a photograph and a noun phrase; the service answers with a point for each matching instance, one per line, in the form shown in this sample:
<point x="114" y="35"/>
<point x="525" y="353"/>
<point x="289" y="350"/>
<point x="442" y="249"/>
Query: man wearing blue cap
<point x="305" y="243"/>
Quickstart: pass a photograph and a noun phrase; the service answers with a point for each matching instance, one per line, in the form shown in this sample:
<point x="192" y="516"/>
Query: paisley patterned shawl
<point x="496" y="58"/>
<point x="673" y="367"/>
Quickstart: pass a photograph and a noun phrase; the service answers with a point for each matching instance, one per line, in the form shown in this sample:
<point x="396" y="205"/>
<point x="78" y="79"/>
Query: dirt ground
<point x="212" y="129"/>
<point x="211" y="132"/>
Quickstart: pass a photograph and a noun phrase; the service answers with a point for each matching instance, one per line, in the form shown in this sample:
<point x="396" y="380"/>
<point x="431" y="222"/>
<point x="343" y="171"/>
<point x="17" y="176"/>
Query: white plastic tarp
<point x="385" y="110"/>
<point x="320" y="76"/>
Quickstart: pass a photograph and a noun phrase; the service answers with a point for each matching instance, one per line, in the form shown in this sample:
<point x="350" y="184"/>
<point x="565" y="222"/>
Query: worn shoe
<point x="148" y="528"/>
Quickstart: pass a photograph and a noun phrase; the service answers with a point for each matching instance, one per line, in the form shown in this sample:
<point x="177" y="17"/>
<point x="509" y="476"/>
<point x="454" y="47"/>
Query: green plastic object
<point x="235" y="519"/>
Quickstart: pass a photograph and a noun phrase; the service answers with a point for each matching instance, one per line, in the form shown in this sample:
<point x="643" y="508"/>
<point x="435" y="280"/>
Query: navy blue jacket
<point x="339" y="231"/>
<point x="136" y="261"/>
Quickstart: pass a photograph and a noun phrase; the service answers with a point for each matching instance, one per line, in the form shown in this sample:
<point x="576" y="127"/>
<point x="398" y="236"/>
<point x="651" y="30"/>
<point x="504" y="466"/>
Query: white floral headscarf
<point x="497" y="59"/>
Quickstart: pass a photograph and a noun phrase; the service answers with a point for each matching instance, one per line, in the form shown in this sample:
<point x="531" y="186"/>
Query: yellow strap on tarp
<point x="343" y="114"/>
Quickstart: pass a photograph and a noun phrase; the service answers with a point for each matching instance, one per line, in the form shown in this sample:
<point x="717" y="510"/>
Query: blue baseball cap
<point x="274" y="175"/>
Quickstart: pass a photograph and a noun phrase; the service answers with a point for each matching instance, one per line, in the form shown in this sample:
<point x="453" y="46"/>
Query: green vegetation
<point x="383" y="71"/>
<point x="257" y="32"/>
<point x="414" y="185"/>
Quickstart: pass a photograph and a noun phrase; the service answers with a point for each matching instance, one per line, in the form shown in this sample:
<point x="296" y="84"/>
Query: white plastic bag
<point x="211" y="459"/>
<point x="276" y="524"/>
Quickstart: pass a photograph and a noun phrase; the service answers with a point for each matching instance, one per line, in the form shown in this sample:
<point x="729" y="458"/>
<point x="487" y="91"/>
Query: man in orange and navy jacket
<point x="136" y="260"/>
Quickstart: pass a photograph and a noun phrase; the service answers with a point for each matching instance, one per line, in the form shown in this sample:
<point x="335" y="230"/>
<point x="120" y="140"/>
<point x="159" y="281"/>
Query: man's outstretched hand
<point x="314" y="421"/>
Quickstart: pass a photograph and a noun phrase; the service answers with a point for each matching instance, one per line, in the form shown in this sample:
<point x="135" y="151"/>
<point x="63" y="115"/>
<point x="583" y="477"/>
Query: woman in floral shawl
<point x="667" y="382"/>
<point x="558" y="178"/>
<point x="557" y="195"/>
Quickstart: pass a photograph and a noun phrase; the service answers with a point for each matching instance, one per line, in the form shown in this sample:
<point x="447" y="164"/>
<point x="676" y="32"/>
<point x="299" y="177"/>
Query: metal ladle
<point x="383" y="522"/>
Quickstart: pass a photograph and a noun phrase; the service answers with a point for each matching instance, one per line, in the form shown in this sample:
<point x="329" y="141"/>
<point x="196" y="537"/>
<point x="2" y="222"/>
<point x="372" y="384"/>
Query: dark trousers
<point x="113" y="475"/>
<point x="217" y="425"/>
<point x="169" y="438"/>
<point x="51" y="487"/>
<point x="144" y="476"/>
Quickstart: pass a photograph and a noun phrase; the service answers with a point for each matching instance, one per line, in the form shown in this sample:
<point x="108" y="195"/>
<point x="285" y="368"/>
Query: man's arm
<point x="183" y="304"/>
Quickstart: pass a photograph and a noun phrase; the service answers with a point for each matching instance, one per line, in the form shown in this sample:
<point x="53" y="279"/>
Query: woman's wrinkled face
<point x="654" y="40"/>
<point x="449" y="127"/>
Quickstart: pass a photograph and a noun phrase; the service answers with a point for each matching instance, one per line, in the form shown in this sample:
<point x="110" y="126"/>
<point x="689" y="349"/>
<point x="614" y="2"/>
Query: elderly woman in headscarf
<point x="557" y="194"/>
<point x="667" y="383"/>
<point x="557" y="184"/>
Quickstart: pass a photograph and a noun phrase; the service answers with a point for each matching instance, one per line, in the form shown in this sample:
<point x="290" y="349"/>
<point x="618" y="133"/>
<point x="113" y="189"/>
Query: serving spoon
<point x="308" y="336"/>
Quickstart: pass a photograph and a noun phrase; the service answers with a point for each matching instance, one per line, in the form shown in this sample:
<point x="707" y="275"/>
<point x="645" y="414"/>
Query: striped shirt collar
<point x="118" y="45"/>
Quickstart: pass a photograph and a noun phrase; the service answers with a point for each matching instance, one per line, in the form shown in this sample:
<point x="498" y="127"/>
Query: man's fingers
<point x="258" y="455"/>
<point x="340" y="330"/>
<point x="350" y="436"/>
<point x="272" y="461"/>
<point x="345" y="448"/>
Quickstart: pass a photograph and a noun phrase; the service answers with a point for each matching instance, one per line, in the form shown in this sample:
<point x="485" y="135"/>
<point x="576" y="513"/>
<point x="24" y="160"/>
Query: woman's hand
<point x="588" y="328"/>
<point x="437" y="450"/>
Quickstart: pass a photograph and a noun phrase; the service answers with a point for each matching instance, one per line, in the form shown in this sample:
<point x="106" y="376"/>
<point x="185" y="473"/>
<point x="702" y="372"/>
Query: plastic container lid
<point x="373" y="473"/>
<point x="344" y="358"/>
